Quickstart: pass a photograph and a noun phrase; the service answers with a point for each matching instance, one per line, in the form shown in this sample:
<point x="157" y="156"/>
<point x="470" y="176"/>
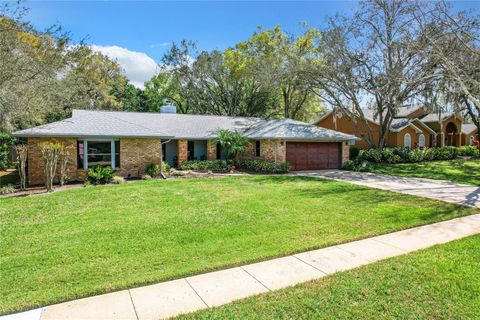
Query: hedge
<point x="213" y="165"/>
<point x="402" y="155"/>
<point x="262" y="166"/>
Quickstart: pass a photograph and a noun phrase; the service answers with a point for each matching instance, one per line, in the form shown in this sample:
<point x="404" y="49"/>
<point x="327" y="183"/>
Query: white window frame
<point x="407" y="135"/>
<point x="112" y="151"/>
<point x="420" y="138"/>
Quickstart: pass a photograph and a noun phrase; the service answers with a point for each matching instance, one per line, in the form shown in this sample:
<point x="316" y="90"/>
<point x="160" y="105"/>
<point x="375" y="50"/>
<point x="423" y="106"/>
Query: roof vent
<point x="168" y="108"/>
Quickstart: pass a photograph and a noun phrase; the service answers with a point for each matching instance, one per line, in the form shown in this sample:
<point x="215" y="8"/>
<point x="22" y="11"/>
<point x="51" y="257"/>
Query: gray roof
<point x="433" y="117"/>
<point x="407" y="110"/>
<point x="84" y="123"/>
<point x="468" y="128"/>
<point x="399" y="123"/>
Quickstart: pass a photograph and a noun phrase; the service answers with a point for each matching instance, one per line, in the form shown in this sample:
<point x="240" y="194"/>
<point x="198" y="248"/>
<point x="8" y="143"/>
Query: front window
<point x="407" y="140"/>
<point x="421" y="141"/>
<point x="93" y="153"/>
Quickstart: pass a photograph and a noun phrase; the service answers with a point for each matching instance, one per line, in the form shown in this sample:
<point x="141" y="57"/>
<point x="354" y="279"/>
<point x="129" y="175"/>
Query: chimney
<point x="168" y="108"/>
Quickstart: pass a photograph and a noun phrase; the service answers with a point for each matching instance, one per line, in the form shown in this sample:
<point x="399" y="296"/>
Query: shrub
<point x="399" y="155"/>
<point x="354" y="153"/>
<point x="7" y="189"/>
<point x="371" y="155"/>
<point x="147" y="177"/>
<point x="118" y="180"/>
<point x="6" y="142"/>
<point x="262" y="166"/>
<point x="100" y="175"/>
<point x="358" y="165"/>
<point x="152" y="169"/>
<point x="205" y="165"/>
<point x="468" y="151"/>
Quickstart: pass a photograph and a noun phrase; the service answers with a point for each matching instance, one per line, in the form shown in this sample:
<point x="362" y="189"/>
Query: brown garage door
<point x="313" y="155"/>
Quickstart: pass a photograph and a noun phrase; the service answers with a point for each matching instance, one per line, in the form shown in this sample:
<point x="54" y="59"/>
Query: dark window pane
<point x="191" y="150"/>
<point x="117" y="154"/>
<point x="99" y="153"/>
<point x="257" y="148"/>
<point x="164" y="151"/>
<point x="99" y="147"/>
<point x="80" y="150"/>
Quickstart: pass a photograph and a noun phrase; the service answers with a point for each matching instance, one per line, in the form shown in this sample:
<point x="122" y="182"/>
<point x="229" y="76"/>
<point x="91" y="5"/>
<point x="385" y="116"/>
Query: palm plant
<point x="232" y="142"/>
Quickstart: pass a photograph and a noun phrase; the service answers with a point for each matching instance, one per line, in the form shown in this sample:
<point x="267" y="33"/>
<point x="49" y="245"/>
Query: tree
<point x="29" y="59"/>
<point x="374" y="60"/>
<point x="22" y="152"/>
<point x="453" y="52"/>
<point x="50" y="153"/>
<point x="279" y="60"/>
<point x="232" y="142"/>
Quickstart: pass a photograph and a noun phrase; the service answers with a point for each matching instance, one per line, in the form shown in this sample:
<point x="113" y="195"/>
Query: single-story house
<point x="412" y="126"/>
<point x="129" y="141"/>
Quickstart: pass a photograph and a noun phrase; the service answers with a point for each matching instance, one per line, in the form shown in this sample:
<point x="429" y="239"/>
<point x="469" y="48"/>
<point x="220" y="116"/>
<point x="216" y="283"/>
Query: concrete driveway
<point x="427" y="188"/>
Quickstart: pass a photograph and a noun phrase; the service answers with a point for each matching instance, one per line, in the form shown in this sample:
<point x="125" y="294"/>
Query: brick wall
<point x="35" y="160"/>
<point x="267" y="151"/>
<point x="136" y="154"/>
<point x="182" y="151"/>
<point x="345" y="153"/>
<point x="211" y="150"/>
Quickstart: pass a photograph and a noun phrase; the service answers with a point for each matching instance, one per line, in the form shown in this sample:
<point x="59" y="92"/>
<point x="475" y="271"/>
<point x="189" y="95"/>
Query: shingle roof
<point x="468" y="128"/>
<point x="85" y="123"/>
<point x="433" y="117"/>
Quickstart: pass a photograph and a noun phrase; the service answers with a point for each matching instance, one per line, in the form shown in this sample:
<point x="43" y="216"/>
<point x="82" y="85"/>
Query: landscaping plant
<point x="63" y="160"/>
<point x="22" y="151"/>
<point x="232" y="142"/>
<point x="153" y="169"/>
<point x="6" y="142"/>
<point x="50" y="153"/>
<point x="100" y="175"/>
<point x="205" y="165"/>
<point x="7" y="189"/>
<point x="262" y="166"/>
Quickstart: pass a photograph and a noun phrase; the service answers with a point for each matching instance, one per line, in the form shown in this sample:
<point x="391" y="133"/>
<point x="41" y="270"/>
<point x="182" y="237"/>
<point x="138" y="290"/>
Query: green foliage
<point x="204" y="165"/>
<point x="7" y="189"/>
<point x="152" y="169"/>
<point x="232" y="142"/>
<point x="100" y="175"/>
<point x="261" y="166"/>
<point x="406" y="155"/>
<point x="468" y="151"/>
<point x="6" y="143"/>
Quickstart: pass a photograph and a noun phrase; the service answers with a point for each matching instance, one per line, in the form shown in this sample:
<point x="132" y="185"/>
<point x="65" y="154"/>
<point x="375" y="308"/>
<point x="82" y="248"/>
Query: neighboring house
<point x="469" y="134"/>
<point x="128" y="141"/>
<point x="413" y="126"/>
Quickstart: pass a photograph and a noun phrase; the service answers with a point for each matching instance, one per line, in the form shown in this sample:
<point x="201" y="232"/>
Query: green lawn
<point x="460" y="171"/>
<point x="87" y="241"/>
<point x="442" y="282"/>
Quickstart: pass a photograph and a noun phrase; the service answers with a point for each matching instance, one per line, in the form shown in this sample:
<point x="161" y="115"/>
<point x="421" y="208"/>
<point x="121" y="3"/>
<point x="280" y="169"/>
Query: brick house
<point x="413" y="126"/>
<point x="469" y="134"/>
<point x="129" y="141"/>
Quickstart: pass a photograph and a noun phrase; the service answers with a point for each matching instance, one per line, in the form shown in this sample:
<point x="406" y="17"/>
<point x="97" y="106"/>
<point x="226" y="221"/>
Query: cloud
<point x="138" y="66"/>
<point x="160" y="44"/>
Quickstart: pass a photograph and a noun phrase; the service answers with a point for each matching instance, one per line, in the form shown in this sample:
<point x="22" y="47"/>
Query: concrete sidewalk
<point x="168" y="299"/>
<point x="428" y="188"/>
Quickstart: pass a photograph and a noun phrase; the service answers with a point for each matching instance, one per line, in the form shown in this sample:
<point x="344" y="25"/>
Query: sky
<point x="138" y="33"/>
